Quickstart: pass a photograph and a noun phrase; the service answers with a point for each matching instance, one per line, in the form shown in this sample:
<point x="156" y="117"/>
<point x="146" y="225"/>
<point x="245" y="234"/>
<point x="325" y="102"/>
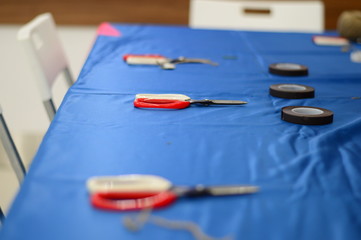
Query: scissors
<point x="137" y="192"/>
<point x="176" y="101"/>
<point x="164" y="62"/>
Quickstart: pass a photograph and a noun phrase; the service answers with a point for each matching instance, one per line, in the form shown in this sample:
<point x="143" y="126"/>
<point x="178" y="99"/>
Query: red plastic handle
<point x="160" y="103"/>
<point x="131" y="201"/>
<point x="126" y="56"/>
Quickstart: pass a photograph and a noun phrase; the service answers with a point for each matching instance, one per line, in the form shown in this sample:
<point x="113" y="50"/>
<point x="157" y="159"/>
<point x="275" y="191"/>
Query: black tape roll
<point x="307" y="115"/>
<point x="291" y="91"/>
<point x="288" y="69"/>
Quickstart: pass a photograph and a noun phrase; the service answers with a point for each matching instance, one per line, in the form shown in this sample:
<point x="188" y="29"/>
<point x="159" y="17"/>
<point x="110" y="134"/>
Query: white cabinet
<point x="296" y="16"/>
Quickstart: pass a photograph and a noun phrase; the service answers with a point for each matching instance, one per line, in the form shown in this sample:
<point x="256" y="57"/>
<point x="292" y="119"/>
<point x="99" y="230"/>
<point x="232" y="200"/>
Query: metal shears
<point x="176" y="101"/>
<point x="137" y="192"/>
<point x="163" y="62"/>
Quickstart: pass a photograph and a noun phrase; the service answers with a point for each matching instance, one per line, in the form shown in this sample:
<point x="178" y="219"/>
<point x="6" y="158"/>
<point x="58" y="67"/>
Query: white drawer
<point x="297" y="16"/>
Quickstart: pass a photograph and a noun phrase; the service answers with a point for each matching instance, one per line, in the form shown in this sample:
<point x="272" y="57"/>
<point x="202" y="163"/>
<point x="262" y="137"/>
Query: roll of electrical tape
<point x="307" y="115"/>
<point x="291" y="91"/>
<point x="288" y="69"/>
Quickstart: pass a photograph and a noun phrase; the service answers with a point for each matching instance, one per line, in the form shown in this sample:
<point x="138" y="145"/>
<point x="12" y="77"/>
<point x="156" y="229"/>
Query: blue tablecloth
<point x="310" y="176"/>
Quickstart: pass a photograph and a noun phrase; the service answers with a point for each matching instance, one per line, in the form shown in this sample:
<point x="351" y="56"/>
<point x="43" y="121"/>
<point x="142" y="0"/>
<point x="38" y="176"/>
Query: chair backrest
<point x="296" y="16"/>
<point x="11" y="149"/>
<point x="45" y="53"/>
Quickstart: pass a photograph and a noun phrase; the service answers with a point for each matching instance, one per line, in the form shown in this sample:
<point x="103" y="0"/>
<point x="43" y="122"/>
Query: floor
<point x="20" y="101"/>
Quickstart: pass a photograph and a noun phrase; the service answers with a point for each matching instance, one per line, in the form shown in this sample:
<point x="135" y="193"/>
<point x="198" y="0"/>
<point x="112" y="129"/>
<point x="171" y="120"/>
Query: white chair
<point x="295" y="16"/>
<point x="46" y="56"/>
<point x="11" y="149"/>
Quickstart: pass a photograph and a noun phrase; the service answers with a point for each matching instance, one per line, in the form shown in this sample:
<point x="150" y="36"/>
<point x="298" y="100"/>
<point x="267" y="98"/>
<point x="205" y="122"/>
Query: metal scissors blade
<point x="232" y="190"/>
<point x="193" y="60"/>
<point x="218" y="102"/>
<point x="201" y="191"/>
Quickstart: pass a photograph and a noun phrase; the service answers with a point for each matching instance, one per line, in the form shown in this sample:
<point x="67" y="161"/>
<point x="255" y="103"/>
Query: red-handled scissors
<point x="137" y="192"/>
<point x="167" y="101"/>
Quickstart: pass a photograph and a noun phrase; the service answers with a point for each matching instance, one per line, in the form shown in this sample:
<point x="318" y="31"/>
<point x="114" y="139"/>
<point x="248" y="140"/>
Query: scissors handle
<point x="126" y="56"/>
<point x="160" y="103"/>
<point x="181" y="97"/>
<point x="123" y="201"/>
<point x="128" y="183"/>
<point x="147" y="59"/>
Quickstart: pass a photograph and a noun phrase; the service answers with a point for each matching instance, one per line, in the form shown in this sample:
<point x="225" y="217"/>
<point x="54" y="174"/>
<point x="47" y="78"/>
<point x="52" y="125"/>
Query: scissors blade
<point x="232" y="190"/>
<point x="201" y="190"/>
<point x="218" y="102"/>
<point x="193" y="60"/>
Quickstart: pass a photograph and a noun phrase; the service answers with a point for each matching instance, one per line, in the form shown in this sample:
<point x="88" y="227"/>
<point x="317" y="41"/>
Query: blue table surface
<point x="310" y="176"/>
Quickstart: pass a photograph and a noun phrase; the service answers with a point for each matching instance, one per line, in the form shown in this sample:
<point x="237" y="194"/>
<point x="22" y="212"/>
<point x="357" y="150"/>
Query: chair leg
<point x="68" y="77"/>
<point x="50" y="108"/>
<point x="2" y="216"/>
<point x="11" y="150"/>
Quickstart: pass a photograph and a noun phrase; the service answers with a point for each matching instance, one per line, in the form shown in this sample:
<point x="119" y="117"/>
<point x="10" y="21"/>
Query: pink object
<point x="106" y="29"/>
